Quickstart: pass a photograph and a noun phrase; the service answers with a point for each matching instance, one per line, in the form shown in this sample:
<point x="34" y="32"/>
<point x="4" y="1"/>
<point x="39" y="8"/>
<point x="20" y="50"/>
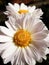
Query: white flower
<point x="19" y="11"/>
<point x="24" y="43"/>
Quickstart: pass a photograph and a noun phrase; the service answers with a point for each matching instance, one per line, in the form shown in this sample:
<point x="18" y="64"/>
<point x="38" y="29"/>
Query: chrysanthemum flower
<point x="24" y="44"/>
<point x="19" y="11"/>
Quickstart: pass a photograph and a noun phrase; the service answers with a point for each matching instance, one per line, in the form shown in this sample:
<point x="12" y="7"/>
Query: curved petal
<point x="38" y="27"/>
<point x="28" y="22"/>
<point x="40" y="44"/>
<point x="23" y="6"/>
<point x="16" y="23"/>
<point x="9" y="51"/>
<point x="11" y="19"/>
<point x="18" y="61"/>
<point x="30" y="54"/>
<point x="11" y="8"/>
<point x="37" y="13"/>
<point x="16" y="6"/>
<point x="47" y="38"/>
<point x="9" y="26"/>
<point x="22" y="63"/>
<point x="4" y="46"/>
<point x="33" y="62"/>
<point x="47" y="51"/>
<point x="9" y="58"/>
<point x="13" y="61"/>
<point x="31" y="9"/>
<point x="6" y="12"/>
<point x="32" y="25"/>
<point x="6" y="31"/>
<point x="36" y="53"/>
<point x="39" y="35"/>
<point x="27" y="58"/>
<point x="4" y="38"/>
<point x="40" y="47"/>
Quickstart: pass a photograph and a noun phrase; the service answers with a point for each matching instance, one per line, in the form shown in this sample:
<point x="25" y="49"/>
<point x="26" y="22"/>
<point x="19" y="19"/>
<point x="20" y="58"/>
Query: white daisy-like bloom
<point x="19" y="11"/>
<point x="24" y="44"/>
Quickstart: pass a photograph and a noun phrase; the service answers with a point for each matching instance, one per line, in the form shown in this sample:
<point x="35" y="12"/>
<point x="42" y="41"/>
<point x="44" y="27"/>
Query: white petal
<point x="30" y="55"/>
<point x="44" y="57"/>
<point x="37" y="13"/>
<point x="33" y="62"/>
<point x="18" y="61"/>
<point x="47" y="51"/>
<point x="13" y="61"/>
<point x="9" y="26"/>
<point x="16" y="23"/>
<point x="47" y="38"/>
<point x="11" y="57"/>
<point x="16" y="6"/>
<point x="12" y="7"/>
<point x="28" y="21"/>
<point x="6" y="31"/>
<point x="7" y="60"/>
<point x="23" y="6"/>
<point x="40" y="47"/>
<point x="32" y="25"/>
<point x="29" y="52"/>
<point x="22" y="63"/>
<point x="45" y="31"/>
<point x="45" y="28"/>
<point x="22" y="60"/>
<point x="39" y="36"/>
<point x="11" y="19"/>
<point x="5" y="38"/>
<point x="9" y="51"/>
<point x="27" y="58"/>
<point x="38" y="27"/>
<point x="24" y="22"/>
<point x="31" y="9"/>
<point x="36" y="53"/>
<point x="20" y="19"/>
<point x="40" y="44"/>
<point x="6" y="13"/>
<point x="4" y="46"/>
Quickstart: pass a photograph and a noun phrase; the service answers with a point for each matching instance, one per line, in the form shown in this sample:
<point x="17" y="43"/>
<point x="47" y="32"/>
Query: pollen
<point x="23" y="11"/>
<point x="22" y="38"/>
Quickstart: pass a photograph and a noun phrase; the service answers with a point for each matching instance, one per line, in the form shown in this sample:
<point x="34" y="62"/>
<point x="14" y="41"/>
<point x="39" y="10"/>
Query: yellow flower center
<point x="22" y="38"/>
<point x="23" y="11"/>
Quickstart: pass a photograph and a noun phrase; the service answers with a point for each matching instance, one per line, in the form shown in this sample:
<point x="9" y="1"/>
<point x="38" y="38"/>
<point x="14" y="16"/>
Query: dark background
<point x="43" y="4"/>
